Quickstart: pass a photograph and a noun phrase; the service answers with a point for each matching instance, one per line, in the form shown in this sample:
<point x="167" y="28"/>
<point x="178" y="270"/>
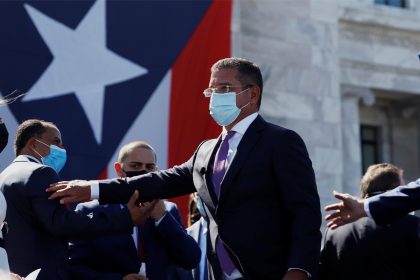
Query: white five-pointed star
<point x="82" y="64"/>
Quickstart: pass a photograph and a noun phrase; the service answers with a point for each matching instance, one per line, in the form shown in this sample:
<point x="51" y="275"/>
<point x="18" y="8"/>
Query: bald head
<point x="134" y="157"/>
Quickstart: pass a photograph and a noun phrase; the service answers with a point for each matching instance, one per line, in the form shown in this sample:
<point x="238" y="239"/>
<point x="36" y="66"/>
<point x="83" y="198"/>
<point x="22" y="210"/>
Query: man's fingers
<point x="60" y="193"/>
<point x="341" y="196"/>
<point x="333" y="216"/>
<point x="335" y="224"/>
<point x="134" y="198"/>
<point x="335" y="206"/>
<point x="57" y="186"/>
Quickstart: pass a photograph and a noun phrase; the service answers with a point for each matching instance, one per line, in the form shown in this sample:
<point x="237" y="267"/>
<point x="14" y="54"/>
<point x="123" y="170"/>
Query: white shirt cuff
<point x="295" y="268"/>
<point x="366" y="207"/>
<point x="94" y="190"/>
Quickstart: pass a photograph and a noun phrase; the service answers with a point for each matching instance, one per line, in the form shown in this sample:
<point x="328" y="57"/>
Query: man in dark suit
<point x="366" y="250"/>
<point x="39" y="228"/>
<point x="263" y="212"/>
<point x="162" y="238"/>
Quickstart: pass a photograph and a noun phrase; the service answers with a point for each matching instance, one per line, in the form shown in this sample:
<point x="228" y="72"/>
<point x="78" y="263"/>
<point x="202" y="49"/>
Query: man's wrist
<point x="366" y="208"/>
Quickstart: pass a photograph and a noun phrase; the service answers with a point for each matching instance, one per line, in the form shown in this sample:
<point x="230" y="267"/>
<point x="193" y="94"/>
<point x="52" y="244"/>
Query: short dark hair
<point x="380" y="178"/>
<point x="27" y="130"/>
<point x="249" y="72"/>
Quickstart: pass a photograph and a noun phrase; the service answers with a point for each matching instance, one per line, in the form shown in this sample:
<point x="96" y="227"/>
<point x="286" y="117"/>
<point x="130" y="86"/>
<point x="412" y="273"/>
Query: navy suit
<point x="392" y="205"/>
<point x="364" y="250"/>
<point x="39" y="228"/>
<point x="268" y="214"/>
<point x="114" y="256"/>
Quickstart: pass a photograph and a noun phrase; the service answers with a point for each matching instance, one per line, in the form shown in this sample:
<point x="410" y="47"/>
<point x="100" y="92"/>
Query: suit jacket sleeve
<point x="163" y="184"/>
<point x="393" y="205"/>
<point x="300" y="196"/>
<point x="80" y="253"/>
<point x="182" y="248"/>
<point x="58" y="220"/>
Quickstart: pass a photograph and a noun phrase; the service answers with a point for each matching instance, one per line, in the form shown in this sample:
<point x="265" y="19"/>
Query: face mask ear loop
<point x="42" y="158"/>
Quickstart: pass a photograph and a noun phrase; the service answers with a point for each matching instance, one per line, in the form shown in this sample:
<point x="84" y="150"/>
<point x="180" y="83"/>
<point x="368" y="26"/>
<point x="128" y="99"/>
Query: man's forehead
<point x="141" y="155"/>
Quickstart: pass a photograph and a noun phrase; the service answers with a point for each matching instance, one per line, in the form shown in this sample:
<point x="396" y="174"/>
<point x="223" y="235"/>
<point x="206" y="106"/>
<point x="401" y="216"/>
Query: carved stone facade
<point x="331" y="66"/>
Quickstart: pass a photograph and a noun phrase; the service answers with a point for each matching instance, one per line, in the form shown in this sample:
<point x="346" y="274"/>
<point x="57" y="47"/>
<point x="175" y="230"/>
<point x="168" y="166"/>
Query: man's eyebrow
<point x="138" y="162"/>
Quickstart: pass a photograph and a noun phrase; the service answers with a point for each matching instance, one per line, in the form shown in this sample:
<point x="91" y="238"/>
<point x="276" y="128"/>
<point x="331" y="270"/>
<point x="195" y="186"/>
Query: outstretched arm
<point x="348" y="210"/>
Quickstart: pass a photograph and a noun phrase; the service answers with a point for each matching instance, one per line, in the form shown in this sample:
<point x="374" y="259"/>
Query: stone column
<point x="352" y="155"/>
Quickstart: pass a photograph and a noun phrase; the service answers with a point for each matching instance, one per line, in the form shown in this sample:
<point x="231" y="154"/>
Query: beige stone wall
<point x="295" y="43"/>
<point x="325" y="64"/>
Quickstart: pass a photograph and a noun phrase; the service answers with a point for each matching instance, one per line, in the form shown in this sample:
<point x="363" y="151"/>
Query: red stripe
<point x="189" y="119"/>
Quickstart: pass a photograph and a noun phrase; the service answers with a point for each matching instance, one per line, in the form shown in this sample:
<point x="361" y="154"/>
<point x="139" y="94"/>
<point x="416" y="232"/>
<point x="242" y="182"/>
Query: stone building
<point x="345" y="75"/>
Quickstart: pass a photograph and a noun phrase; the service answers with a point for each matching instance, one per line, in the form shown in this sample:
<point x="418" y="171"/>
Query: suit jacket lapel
<point x="206" y="191"/>
<point x="247" y="143"/>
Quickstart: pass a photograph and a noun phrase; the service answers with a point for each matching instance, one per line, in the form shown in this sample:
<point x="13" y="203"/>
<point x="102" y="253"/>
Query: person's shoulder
<point x="276" y="132"/>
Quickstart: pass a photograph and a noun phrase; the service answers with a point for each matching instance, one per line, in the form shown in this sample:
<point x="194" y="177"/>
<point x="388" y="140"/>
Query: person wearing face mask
<point x="255" y="180"/>
<point x="39" y="228"/>
<point x="153" y="250"/>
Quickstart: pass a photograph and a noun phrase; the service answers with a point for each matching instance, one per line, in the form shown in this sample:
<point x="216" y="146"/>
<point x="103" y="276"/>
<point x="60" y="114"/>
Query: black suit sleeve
<point x="163" y="184"/>
<point x="58" y="220"/>
<point x="393" y="205"/>
<point x="182" y="248"/>
<point x="82" y="257"/>
<point x="300" y="196"/>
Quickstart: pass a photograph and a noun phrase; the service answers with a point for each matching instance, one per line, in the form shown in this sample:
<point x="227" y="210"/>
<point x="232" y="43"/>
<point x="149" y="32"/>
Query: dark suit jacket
<point x="392" y="205"/>
<point x="39" y="228"/>
<point x="196" y="231"/>
<point x="114" y="256"/>
<point x="364" y="250"/>
<point x="268" y="214"/>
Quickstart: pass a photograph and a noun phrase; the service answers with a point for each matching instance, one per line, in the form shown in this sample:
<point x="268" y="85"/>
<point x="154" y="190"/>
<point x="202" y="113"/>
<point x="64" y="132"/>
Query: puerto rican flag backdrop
<point x="110" y="72"/>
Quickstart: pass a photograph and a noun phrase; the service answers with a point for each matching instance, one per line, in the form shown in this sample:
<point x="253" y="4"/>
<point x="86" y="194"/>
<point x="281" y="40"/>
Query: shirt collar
<point x="33" y="158"/>
<point x="241" y="126"/>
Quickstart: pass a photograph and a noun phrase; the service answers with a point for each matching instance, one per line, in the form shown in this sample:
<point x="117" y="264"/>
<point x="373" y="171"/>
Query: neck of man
<point x="30" y="152"/>
<point x="240" y="118"/>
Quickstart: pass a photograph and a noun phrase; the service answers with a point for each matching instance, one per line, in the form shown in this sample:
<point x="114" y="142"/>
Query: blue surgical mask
<point x="56" y="159"/>
<point x="223" y="107"/>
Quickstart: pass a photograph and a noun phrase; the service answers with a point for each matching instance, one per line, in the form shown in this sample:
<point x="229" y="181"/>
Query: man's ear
<point x="255" y="94"/>
<point x="32" y="143"/>
<point x="118" y="169"/>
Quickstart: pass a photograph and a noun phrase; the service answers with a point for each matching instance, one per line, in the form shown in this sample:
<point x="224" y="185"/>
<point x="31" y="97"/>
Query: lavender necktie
<point x="219" y="170"/>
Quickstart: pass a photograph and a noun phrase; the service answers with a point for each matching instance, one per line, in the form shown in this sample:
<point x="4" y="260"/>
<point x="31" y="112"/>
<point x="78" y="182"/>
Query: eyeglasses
<point x="221" y="89"/>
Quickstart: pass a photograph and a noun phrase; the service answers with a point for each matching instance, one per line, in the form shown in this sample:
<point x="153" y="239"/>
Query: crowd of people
<point x="255" y="209"/>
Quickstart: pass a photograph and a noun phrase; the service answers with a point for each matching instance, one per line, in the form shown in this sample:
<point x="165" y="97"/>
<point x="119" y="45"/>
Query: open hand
<point x="348" y="210"/>
<point x="70" y="191"/>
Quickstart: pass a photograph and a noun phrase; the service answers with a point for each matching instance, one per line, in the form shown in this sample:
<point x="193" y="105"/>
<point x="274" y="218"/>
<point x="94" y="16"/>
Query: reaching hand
<point x="348" y="210"/>
<point x="158" y="210"/>
<point x="70" y="191"/>
<point x="139" y="213"/>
